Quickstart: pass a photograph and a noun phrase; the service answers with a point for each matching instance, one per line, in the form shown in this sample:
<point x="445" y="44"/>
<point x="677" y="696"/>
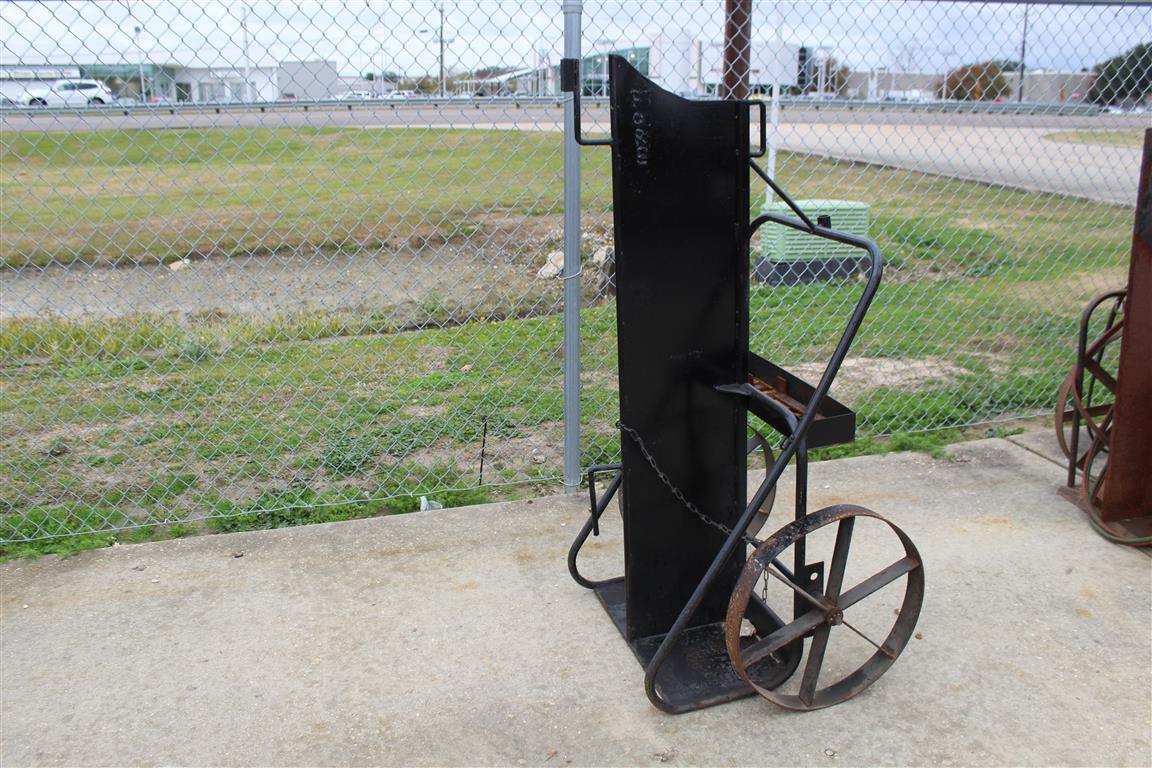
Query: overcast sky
<point x="403" y="35"/>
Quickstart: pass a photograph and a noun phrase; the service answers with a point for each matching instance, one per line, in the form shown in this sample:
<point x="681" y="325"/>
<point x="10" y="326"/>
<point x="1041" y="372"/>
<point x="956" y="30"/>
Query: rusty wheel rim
<point x="1094" y="397"/>
<point x="1063" y="415"/>
<point x="1095" y="470"/>
<point x="827" y="610"/>
<point x="761" y="517"/>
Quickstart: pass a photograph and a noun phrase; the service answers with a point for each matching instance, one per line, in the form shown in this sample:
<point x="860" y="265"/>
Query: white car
<point x="71" y="93"/>
<point x="354" y="96"/>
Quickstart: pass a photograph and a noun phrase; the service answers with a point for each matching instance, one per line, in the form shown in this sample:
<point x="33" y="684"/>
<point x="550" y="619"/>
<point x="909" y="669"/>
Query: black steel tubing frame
<point x="795" y="445"/>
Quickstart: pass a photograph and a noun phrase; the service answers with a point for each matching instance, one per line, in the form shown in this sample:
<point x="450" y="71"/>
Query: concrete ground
<point x="456" y="637"/>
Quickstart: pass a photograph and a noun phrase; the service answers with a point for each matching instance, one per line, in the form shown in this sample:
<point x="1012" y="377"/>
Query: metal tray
<point x="834" y="423"/>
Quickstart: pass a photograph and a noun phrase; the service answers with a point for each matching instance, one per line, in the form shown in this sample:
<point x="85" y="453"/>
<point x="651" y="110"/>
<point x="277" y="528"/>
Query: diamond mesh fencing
<point x="265" y="263"/>
<point x="991" y="149"/>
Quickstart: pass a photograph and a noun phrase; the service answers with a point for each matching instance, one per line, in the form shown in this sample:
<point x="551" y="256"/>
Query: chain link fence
<point x="262" y="264"/>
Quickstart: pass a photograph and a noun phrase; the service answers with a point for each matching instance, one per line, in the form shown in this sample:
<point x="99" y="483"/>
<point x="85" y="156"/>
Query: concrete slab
<point x="457" y="637"/>
<point x="1042" y="442"/>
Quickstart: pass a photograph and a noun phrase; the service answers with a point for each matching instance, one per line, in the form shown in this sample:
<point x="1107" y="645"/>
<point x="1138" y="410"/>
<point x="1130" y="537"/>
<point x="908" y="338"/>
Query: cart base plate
<point x="698" y="672"/>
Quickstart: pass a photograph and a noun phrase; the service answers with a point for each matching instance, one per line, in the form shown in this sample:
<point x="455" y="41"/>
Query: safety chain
<point x="676" y="491"/>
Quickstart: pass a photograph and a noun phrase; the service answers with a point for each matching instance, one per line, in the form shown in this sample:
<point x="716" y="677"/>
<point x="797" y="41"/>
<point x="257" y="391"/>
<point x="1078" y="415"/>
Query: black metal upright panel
<point x="680" y="191"/>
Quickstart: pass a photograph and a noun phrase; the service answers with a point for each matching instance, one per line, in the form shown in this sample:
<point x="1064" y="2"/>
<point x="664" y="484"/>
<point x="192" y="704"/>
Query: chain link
<point x="259" y="259"/>
<point x="688" y="505"/>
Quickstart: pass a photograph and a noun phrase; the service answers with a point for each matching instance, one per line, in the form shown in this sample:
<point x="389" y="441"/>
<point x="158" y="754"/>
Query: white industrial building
<point x="309" y="80"/>
<point x="686" y="66"/>
<point x="679" y="63"/>
<point x="225" y="83"/>
<point x="218" y="80"/>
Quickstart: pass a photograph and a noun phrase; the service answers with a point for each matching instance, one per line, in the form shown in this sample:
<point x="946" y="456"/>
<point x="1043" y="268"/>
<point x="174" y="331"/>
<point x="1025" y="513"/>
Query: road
<point x="1019" y="157"/>
<point x="995" y="148"/>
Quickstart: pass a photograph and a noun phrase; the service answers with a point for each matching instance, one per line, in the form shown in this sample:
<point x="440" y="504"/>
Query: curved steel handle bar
<point x="838" y="355"/>
<point x="609" y="492"/>
<point x="1086" y="319"/>
<point x="763" y="129"/>
<point x="747" y="390"/>
<point x="570" y="83"/>
<point x="808" y="225"/>
<point x="593" y="522"/>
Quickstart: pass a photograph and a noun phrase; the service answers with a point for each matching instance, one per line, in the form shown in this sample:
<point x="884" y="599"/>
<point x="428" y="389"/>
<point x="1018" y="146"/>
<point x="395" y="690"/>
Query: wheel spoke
<point x="877" y="581"/>
<point x="815" y="661"/>
<point x="870" y="641"/>
<point x="788" y="633"/>
<point x="816" y="601"/>
<point x="1101" y="375"/>
<point x="839" y="559"/>
<point x="759" y="611"/>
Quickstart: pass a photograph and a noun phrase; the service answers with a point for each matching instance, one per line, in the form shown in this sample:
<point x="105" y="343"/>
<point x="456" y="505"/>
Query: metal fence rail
<point x="262" y="265"/>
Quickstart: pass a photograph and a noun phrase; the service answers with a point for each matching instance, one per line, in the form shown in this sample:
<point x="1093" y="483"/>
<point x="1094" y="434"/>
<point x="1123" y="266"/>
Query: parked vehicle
<point x="354" y="96"/>
<point x="71" y="93"/>
<point x="398" y="95"/>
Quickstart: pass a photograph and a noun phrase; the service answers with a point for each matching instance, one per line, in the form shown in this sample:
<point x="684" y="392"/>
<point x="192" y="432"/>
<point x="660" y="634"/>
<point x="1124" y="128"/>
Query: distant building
<point x="308" y="80"/>
<point x="216" y="80"/>
<point x="693" y="67"/>
<point x="226" y="83"/>
<point x="377" y="85"/>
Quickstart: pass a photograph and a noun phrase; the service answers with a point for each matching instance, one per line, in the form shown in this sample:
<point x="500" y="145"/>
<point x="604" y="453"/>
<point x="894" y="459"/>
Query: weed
<point x="348" y="453"/>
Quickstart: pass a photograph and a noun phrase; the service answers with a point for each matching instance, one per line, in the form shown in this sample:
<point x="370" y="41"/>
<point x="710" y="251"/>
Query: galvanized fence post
<point x="572" y="11"/>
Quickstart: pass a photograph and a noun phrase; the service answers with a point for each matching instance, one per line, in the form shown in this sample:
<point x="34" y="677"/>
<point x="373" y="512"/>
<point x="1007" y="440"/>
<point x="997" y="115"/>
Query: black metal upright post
<point x="681" y="295"/>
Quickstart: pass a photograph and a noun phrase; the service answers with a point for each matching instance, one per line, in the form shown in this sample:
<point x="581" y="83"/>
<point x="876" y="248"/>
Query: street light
<point x="440" y="39"/>
<point x="139" y="60"/>
<point x="1023" y="53"/>
<point x="948" y="54"/>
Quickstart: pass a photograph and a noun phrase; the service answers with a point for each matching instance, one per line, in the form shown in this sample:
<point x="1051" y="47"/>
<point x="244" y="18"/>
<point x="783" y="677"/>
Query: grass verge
<point x="1133" y="138"/>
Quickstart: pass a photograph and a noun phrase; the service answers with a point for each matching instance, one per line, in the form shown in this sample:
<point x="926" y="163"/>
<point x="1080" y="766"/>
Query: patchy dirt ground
<point x="265" y="285"/>
<point x="453" y="273"/>
<point x="859" y="375"/>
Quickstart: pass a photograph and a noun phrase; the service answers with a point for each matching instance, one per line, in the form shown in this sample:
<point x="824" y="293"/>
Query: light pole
<point x="440" y="39"/>
<point x="1023" y="51"/>
<point x="381" y="78"/>
<point x="139" y="60"/>
<point x="247" y="59"/>
<point x="948" y="54"/>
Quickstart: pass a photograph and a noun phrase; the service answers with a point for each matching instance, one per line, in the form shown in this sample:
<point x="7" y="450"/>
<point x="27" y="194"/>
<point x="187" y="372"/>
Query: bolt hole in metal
<point x="855" y="628"/>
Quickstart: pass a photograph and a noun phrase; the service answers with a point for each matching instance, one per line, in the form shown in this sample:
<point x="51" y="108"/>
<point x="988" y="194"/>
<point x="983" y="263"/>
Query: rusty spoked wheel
<point x="826" y="610"/>
<point x="1096" y="393"/>
<point x="1095" y="469"/>
<point x="1064" y="418"/>
<point x="759" y="441"/>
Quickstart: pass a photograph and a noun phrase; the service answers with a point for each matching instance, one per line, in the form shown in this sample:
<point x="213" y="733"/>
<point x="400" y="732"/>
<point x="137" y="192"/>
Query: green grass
<point x="1133" y="138"/>
<point x="140" y="196"/>
<point x="71" y="528"/>
<point x="257" y="422"/>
